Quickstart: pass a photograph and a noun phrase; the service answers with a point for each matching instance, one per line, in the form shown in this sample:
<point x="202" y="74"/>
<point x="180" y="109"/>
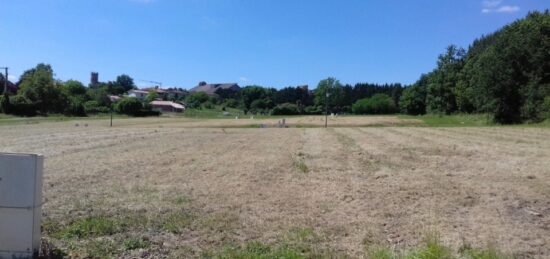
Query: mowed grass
<point x="460" y="120"/>
<point x="156" y="188"/>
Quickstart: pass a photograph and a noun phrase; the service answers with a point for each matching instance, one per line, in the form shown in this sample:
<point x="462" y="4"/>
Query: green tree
<point x="377" y="104"/>
<point x="73" y="88"/>
<point x="37" y="86"/>
<point x="334" y="89"/>
<point x="129" y="106"/>
<point x="195" y="100"/>
<point x="100" y="96"/>
<point x="441" y="92"/>
<point x="151" y="96"/>
<point x="285" y="109"/>
<point x="125" y="82"/>
<point x="413" y="98"/>
<point x="251" y="93"/>
<point x="5" y="104"/>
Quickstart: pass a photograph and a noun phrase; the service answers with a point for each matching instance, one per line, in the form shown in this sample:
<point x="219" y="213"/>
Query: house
<point x="167" y="106"/>
<point x="114" y="98"/>
<point x="139" y="94"/>
<point x="175" y="93"/>
<point x="216" y="89"/>
<point x="162" y="94"/>
<point x="12" y="88"/>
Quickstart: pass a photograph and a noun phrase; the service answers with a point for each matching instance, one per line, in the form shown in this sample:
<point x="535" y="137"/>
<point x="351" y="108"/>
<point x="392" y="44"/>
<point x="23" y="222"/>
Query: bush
<point x="413" y="101"/>
<point x="313" y="110"/>
<point x="546" y="107"/>
<point x="195" y="100"/>
<point x="208" y="105"/>
<point x="129" y="106"/>
<point x="75" y="108"/>
<point x="232" y="103"/>
<point x="92" y="107"/>
<point x="285" y="109"/>
<point x="21" y="106"/>
<point x="4" y="104"/>
<point x="377" y="104"/>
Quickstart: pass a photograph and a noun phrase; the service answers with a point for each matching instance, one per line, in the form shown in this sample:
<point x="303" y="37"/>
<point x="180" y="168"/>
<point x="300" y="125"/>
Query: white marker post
<point x="20" y="204"/>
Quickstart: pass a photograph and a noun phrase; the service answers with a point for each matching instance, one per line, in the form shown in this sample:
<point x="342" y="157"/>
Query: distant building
<point x="167" y="106"/>
<point x="94" y="80"/>
<point x="139" y="94"/>
<point x="114" y="98"/>
<point x="216" y="89"/>
<point x="11" y="90"/>
<point x="163" y="94"/>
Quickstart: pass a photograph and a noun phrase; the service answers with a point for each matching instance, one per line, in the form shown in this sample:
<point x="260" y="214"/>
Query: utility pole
<point x="5" y="80"/>
<point x="326" y="107"/>
<point x="111" y="115"/>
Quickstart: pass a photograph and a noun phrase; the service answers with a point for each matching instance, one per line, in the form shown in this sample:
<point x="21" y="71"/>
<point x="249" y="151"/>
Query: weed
<point x="177" y="222"/>
<point x="90" y="227"/>
<point x="301" y="166"/>
<point x="136" y="243"/>
<point x="98" y="249"/>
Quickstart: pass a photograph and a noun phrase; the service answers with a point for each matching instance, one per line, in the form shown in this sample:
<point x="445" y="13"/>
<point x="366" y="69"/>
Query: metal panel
<point x="20" y="204"/>
<point x="19" y="224"/>
<point x="17" y="180"/>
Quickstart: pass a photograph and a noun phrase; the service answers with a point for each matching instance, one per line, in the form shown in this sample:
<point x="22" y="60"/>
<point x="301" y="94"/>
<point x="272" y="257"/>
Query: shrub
<point x="195" y="100"/>
<point x="377" y="104"/>
<point x="208" y="105"/>
<point x="129" y="106"/>
<point x="5" y="104"/>
<point x="21" y="106"/>
<point x="313" y="110"/>
<point x="232" y="103"/>
<point x="413" y="101"/>
<point x="75" y="108"/>
<point x="285" y="109"/>
<point x="93" y="107"/>
<point x="546" y="107"/>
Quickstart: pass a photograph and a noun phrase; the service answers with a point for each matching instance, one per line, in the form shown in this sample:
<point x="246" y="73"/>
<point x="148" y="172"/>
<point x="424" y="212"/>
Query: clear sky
<point x="273" y="43"/>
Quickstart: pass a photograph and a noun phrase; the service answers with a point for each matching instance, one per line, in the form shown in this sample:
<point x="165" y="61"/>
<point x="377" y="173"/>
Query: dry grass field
<point x="156" y="188"/>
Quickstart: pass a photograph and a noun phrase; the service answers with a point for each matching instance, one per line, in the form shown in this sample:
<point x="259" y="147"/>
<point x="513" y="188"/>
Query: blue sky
<point x="273" y="43"/>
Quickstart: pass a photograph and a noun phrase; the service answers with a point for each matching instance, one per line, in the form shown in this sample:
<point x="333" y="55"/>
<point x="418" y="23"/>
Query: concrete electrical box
<point x="20" y="204"/>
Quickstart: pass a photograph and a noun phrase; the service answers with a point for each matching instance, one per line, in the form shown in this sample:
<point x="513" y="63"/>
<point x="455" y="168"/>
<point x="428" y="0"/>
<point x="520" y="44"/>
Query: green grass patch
<point x="135" y="243"/>
<point x="458" y="120"/>
<point x="434" y="249"/>
<point x="90" y="227"/>
<point x="256" y="250"/>
<point x="301" y="166"/>
<point x="178" y="221"/>
<point x="215" y="113"/>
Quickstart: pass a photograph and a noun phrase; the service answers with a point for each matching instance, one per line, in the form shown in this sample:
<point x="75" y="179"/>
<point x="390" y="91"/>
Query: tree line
<point x="505" y="74"/>
<point x="40" y="94"/>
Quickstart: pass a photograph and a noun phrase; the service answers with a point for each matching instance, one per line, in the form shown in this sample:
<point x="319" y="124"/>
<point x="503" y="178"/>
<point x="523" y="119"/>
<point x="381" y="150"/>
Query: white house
<point x="139" y="94"/>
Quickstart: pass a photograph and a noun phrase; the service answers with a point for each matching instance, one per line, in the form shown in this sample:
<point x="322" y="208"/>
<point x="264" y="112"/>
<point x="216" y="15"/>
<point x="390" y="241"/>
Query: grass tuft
<point x="135" y="243"/>
<point x="90" y="227"/>
<point x="177" y="222"/>
<point x="301" y="166"/>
